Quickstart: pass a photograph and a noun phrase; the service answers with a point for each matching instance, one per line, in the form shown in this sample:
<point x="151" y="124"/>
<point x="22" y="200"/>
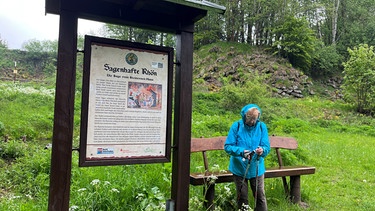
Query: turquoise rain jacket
<point x="243" y="137"/>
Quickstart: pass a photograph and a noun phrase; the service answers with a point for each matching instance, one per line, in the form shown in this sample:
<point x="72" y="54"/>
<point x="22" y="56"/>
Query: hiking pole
<point x="248" y="163"/>
<point x="246" y="155"/>
<point x="247" y="169"/>
<point x="256" y="182"/>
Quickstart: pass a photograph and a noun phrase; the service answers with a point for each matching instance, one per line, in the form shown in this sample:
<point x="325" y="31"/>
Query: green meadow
<point x="332" y="137"/>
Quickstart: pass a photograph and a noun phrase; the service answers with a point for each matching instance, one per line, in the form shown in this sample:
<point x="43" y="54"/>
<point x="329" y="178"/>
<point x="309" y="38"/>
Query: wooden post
<point x="280" y="160"/>
<point x="182" y="119"/>
<point x="209" y="195"/>
<point x="295" y="189"/>
<point x="64" y="112"/>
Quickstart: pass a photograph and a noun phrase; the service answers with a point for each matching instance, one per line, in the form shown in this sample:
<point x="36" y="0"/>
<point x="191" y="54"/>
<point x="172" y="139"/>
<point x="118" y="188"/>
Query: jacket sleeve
<point x="264" y="142"/>
<point x="230" y="145"/>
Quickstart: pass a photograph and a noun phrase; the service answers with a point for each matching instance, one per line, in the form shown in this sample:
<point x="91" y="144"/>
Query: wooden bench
<point x="292" y="191"/>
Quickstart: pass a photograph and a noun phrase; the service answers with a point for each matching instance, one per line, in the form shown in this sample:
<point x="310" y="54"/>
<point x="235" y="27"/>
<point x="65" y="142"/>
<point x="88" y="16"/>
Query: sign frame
<point x="89" y="126"/>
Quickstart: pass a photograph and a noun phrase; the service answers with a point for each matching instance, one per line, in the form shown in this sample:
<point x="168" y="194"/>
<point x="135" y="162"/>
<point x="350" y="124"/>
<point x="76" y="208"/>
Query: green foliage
<point x="46" y="46"/>
<point x="219" y="47"/>
<point x="327" y="132"/>
<point x="34" y="120"/>
<point x="211" y="125"/>
<point x="34" y="63"/>
<point x="206" y="120"/>
<point x="41" y="56"/>
<point x="206" y="103"/>
<point x="208" y="30"/>
<point x="98" y="195"/>
<point x="132" y="187"/>
<point x="12" y="150"/>
<point x="295" y="41"/>
<point x="359" y="78"/>
<point x="356" y="25"/>
<point x="134" y="34"/>
<point x="2" y="129"/>
<point x="288" y="126"/>
<point x="253" y="91"/>
<point x="326" y="61"/>
<point x="3" y="44"/>
<point x="31" y="176"/>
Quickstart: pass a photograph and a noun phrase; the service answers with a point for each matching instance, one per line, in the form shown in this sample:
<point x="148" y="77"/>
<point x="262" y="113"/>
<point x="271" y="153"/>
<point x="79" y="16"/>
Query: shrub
<point x="359" y="79"/>
<point x="29" y="173"/>
<point x="295" y="41"/>
<point x="2" y="129"/>
<point x="253" y="91"/>
<point x="288" y="126"/>
<point x="12" y="150"/>
<point x="326" y="61"/>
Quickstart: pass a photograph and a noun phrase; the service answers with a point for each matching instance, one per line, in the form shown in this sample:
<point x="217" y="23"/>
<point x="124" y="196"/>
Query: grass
<point x="333" y="138"/>
<point x="344" y="178"/>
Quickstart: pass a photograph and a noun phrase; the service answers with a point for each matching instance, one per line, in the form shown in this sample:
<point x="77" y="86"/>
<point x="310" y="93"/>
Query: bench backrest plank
<point x="283" y="142"/>
<point x="207" y="144"/>
<point x="217" y="143"/>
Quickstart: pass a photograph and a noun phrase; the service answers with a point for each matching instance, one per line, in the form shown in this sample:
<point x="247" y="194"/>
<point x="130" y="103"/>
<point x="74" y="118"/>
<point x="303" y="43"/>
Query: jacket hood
<point x="246" y="108"/>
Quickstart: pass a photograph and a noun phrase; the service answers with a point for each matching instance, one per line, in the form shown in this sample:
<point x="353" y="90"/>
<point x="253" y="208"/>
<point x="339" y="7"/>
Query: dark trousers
<point x="243" y="190"/>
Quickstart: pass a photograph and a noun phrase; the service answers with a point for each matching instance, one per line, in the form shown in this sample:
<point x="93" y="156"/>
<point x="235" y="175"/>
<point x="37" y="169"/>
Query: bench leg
<point x="286" y="187"/>
<point x="209" y="196"/>
<point x="295" y="189"/>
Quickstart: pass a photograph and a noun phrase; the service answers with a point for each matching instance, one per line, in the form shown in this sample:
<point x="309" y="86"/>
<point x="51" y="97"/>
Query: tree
<point x="296" y="42"/>
<point x="208" y="30"/>
<point x="41" y="56"/>
<point x="355" y="24"/>
<point x="359" y="78"/>
<point x="334" y="20"/>
<point x="3" y="44"/>
<point x="326" y="60"/>
<point x="137" y="35"/>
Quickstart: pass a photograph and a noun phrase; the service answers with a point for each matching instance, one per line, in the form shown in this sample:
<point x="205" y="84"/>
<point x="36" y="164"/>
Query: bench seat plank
<point x="201" y="178"/>
<point x="284" y="171"/>
<point x="227" y="176"/>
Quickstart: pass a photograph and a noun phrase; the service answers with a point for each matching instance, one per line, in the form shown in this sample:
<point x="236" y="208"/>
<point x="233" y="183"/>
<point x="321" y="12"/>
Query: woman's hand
<point x="259" y="151"/>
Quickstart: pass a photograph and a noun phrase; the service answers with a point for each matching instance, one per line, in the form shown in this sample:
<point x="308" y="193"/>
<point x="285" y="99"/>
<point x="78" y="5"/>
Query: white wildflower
<point x="227" y="189"/>
<point x="72" y="208"/>
<point x="95" y="182"/>
<point x="246" y="207"/>
<point x="199" y="168"/>
<point x="12" y="89"/>
<point x="81" y="189"/>
<point x="14" y="197"/>
<point x="115" y="190"/>
<point x="212" y="177"/>
<point x="140" y="196"/>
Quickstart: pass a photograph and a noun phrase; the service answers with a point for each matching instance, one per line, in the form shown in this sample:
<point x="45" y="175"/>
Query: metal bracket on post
<point x="169" y="205"/>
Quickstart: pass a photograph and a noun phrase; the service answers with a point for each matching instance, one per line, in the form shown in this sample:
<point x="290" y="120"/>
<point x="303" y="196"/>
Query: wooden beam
<point x="182" y="120"/>
<point x="165" y="16"/>
<point x="61" y="158"/>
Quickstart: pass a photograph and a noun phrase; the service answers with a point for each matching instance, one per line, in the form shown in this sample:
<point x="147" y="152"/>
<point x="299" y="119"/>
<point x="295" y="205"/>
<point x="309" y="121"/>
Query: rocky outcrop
<point x="285" y="80"/>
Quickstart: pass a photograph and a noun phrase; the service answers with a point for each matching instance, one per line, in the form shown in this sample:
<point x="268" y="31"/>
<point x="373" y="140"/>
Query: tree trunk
<point x="334" y="20"/>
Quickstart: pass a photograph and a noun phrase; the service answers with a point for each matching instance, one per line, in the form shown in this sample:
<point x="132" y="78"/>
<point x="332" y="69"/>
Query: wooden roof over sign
<point x="159" y="15"/>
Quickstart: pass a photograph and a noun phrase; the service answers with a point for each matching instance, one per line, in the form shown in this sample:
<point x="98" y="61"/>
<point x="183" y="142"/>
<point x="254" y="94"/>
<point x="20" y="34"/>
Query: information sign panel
<point x="126" y="103"/>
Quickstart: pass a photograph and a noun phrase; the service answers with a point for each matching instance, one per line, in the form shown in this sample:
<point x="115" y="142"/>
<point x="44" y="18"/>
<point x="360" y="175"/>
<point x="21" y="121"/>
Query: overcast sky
<point x="24" y="20"/>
